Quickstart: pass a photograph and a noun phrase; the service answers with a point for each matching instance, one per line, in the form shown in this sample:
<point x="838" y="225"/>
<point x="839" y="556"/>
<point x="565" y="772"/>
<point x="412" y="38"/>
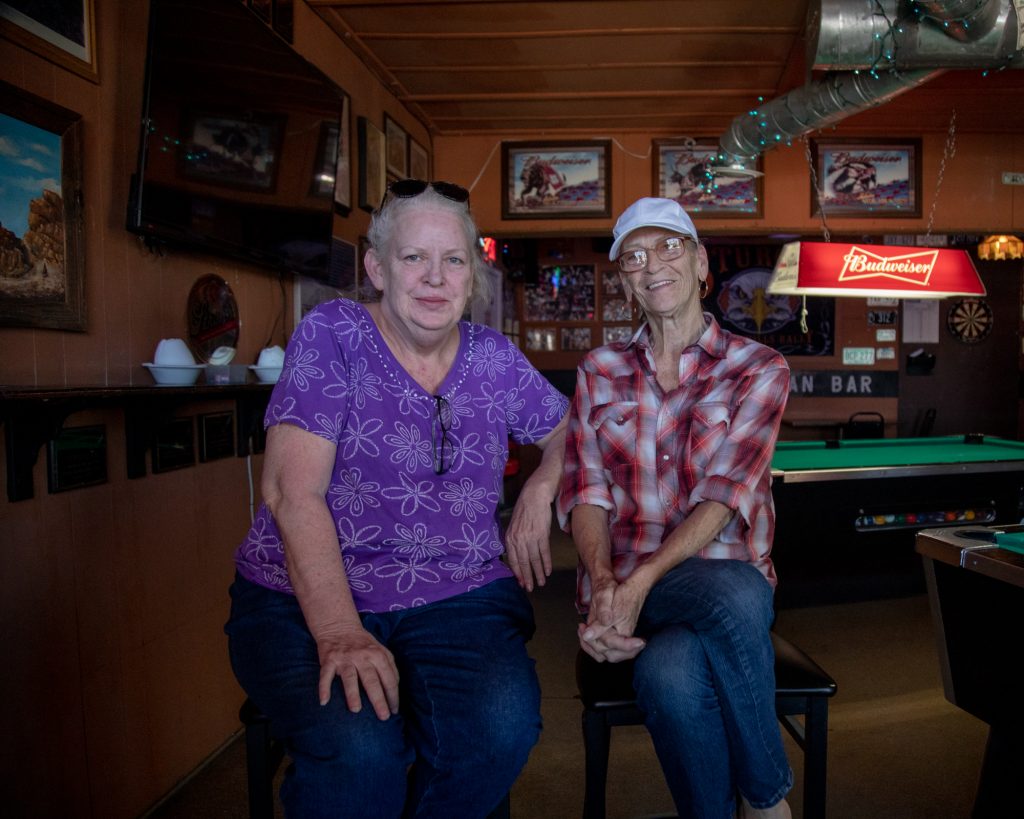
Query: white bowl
<point x="266" y="375"/>
<point x="175" y="375"/>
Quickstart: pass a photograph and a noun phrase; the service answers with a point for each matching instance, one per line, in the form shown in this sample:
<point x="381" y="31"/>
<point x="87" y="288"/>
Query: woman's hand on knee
<point x="360" y="662"/>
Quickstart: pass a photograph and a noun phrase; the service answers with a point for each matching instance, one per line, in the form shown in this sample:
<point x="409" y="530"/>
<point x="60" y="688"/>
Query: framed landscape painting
<point x="41" y="243"/>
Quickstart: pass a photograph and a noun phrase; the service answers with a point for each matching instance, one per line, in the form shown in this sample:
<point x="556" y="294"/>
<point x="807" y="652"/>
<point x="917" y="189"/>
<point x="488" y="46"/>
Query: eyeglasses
<point x="409" y="188"/>
<point x="668" y="249"/>
<point x="440" y="444"/>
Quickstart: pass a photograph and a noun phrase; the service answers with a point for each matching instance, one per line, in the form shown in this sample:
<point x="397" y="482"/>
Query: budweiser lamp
<point x="838" y="269"/>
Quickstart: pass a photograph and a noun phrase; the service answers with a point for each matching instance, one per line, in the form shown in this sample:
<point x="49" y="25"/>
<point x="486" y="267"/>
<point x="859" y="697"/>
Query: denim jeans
<point x="469" y="705"/>
<point x="706" y="684"/>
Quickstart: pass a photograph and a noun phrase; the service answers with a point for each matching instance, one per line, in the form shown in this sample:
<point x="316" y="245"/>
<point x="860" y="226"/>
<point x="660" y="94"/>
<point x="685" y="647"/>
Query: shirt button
<point x="664" y="457"/>
<point x="621" y="419"/>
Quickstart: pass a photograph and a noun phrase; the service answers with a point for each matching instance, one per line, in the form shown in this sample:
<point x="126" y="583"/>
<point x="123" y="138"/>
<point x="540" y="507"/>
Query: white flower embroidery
<point x="412" y="494"/>
<point x="352" y="539"/>
<point x="415" y="542"/>
<point x="465" y="498"/>
<point x="487" y="358"/>
<point x="409" y="446"/>
<point x="408" y="571"/>
<point x="300" y="368"/>
<point x="350" y="492"/>
<point x="261" y="543"/>
<point x="359" y="382"/>
<point x="477" y="544"/>
<point x="498" y="450"/>
<point x="361" y="437"/>
<point x="354" y="572"/>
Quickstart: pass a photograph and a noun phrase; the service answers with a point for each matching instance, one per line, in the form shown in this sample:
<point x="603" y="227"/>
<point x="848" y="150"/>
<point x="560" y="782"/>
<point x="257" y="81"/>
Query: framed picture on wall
<point x="556" y="180"/>
<point x="866" y="177"/>
<point x="41" y="280"/>
<point x="326" y="155"/>
<point x="343" y="165"/>
<point x="682" y="170"/>
<point x="63" y="33"/>
<point x="397" y="148"/>
<point x="419" y="161"/>
<point x="372" y="175"/>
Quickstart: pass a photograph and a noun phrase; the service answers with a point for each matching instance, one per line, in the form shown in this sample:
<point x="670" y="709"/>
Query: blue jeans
<point x="706" y="684"/>
<point x="469" y="705"/>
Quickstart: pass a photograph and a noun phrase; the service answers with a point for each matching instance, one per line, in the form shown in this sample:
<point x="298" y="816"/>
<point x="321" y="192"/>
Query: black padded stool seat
<point x="802" y="689"/>
<point x="263" y="755"/>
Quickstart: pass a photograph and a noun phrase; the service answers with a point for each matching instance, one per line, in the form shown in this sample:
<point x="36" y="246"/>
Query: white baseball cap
<point x="651" y="212"/>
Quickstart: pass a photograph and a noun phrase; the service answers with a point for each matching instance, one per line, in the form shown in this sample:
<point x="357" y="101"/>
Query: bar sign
<point x="1010" y="178"/>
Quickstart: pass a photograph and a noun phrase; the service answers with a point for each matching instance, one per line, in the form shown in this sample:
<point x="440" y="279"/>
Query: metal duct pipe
<point x="963" y="20"/>
<point x="841" y="94"/>
<point x="859" y="34"/>
<point x="817" y="105"/>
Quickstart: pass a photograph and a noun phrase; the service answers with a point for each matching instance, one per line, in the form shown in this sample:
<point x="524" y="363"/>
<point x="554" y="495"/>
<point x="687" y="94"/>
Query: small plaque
<point x="882" y="336"/>
<point x="216" y="436"/>
<point x="173" y="445"/>
<point x="862" y="356"/>
<point x="885" y="353"/>
<point x="77" y="457"/>
<point x="876" y="317"/>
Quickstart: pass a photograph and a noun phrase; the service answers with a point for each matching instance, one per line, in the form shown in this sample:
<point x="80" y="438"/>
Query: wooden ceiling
<point x="565" y="68"/>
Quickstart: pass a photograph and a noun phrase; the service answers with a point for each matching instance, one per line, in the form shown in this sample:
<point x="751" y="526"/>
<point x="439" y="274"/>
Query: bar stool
<point x="263" y="755"/>
<point x="802" y="689"/>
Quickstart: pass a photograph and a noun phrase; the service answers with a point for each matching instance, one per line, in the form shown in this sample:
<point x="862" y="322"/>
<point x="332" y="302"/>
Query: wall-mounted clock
<point x="969" y="320"/>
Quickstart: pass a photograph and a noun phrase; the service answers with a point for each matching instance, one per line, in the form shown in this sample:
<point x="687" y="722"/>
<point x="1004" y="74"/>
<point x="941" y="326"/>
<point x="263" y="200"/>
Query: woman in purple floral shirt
<point x="372" y="618"/>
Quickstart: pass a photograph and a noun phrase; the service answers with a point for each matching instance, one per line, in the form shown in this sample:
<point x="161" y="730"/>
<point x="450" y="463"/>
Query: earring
<point x="703" y="291"/>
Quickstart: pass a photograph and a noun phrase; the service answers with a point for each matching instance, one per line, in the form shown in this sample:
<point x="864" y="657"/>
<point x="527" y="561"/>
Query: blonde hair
<point x="385" y="218"/>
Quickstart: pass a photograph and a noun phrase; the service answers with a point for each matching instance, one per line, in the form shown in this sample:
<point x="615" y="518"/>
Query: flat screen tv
<point x="239" y="140"/>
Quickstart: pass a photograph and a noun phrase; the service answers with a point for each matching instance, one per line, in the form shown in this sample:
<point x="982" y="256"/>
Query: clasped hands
<point x="607" y="636"/>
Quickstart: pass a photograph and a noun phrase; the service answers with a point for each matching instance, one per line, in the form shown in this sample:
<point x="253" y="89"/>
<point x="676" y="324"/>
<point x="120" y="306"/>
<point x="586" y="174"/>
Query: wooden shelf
<point x="33" y="416"/>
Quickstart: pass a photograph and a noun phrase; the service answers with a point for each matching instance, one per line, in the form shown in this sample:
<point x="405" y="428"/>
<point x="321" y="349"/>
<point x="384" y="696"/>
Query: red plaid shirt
<point x="649" y="457"/>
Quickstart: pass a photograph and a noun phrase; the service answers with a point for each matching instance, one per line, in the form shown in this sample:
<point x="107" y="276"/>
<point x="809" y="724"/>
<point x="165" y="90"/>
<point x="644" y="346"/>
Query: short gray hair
<point x="384" y="219"/>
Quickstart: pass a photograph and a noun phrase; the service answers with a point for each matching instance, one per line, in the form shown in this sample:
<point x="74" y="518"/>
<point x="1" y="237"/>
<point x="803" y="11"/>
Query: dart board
<point x="969" y="320"/>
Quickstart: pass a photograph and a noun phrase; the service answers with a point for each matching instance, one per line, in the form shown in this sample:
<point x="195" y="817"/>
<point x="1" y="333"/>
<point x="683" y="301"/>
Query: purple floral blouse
<point x="407" y="535"/>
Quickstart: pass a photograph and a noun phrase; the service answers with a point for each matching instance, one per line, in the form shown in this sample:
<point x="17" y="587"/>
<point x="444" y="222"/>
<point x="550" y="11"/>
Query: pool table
<point x="847" y="511"/>
<point x="976" y="592"/>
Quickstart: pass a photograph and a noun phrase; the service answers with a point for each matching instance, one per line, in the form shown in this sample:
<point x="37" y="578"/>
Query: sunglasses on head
<point x="408" y="188"/>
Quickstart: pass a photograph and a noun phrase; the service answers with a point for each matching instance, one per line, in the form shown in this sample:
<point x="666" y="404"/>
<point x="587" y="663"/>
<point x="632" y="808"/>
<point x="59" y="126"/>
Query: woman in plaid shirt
<point x="667" y="494"/>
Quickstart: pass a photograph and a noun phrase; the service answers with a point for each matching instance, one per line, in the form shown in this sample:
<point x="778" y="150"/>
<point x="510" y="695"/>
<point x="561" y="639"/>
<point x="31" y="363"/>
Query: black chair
<point x="924" y="423"/>
<point x="865" y="425"/>
<point x="263" y="755"/>
<point x="802" y="688"/>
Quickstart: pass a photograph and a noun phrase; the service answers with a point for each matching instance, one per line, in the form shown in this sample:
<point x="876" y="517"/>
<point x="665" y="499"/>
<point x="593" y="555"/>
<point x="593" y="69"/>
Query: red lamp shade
<point x="837" y="269"/>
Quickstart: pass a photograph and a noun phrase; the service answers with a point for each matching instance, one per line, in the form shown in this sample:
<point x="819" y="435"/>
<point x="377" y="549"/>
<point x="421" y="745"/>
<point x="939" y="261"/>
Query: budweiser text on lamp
<point x="1000" y="248"/>
<point x="862" y="270"/>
